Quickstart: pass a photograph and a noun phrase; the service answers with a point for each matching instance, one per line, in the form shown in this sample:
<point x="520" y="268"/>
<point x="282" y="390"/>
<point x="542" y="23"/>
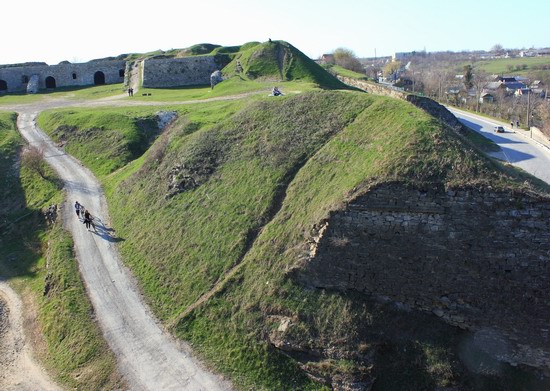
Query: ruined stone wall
<point x="65" y="75"/>
<point x="173" y="72"/>
<point x="477" y="259"/>
<point x="428" y="105"/>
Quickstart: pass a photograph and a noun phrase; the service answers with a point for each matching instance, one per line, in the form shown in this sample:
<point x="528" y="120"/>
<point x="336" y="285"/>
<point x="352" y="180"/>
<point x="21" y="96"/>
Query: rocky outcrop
<point x="476" y="258"/>
<point x="33" y="85"/>
<point x="215" y="78"/>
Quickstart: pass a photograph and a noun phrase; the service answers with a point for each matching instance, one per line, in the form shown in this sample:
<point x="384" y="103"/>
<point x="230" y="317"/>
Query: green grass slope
<point x="217" y="211"/>
<point x="249" y="190"/>
<point x="104" y="142"/>
<point x="279" y="61"/>
<point x="38" y="260"/>
<point x="108" y="139"/>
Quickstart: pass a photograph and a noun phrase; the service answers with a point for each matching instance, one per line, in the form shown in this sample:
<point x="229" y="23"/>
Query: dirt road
<point x="148" y="358"/>
<point x="18" y="370"/>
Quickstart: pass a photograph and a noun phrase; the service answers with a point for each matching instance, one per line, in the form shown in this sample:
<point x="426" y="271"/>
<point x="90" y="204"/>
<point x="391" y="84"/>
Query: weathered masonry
<point x="175" y="72"/>
<point x="156" y="73"/>
<point x="476" y="258"/>
<point x="32" y="78"/>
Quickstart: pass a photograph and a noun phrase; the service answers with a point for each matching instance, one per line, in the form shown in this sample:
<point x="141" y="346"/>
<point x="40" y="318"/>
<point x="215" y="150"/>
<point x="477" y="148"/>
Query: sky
<point x="78" y="31"/>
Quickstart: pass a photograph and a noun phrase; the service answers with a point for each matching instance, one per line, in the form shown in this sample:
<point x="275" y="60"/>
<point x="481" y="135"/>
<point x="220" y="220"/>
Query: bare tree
<point x="480" y="80"/>
<point x="346" y="58"/>
<point x="497" y="48"/>
<point x="33" y="159"/>
<point x="543" y="112"/>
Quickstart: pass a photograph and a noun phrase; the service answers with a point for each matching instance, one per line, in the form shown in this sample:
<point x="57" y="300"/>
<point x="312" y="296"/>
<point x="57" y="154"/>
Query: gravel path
<point x="18" y="369"/>
<point x="147" y="356"/>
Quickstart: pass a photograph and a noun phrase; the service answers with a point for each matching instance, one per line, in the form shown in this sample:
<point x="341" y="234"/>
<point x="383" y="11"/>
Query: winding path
<point x="148" y="358"/>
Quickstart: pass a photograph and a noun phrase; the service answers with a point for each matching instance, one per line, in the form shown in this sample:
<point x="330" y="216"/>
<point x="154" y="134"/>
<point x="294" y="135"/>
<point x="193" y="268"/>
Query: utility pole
<point x="528" y="103"/>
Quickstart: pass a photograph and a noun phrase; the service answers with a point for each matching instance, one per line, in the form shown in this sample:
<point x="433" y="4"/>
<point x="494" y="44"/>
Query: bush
<point x="33" y="159"/>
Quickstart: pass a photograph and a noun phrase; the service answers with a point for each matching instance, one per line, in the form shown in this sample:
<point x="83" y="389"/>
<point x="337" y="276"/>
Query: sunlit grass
<point x="72" y="93"/>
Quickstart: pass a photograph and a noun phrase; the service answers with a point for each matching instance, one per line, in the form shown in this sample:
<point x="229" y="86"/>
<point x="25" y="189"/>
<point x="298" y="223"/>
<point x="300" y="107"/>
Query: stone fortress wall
<point x="32" y="78"/>
<point x="477" y="259"/>
<point x="173" y="72"/>
<point x="155" y="73"/>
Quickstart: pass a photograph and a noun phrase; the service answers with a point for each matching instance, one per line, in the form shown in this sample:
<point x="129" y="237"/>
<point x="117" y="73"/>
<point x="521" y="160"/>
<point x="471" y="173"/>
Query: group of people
<point x="275" y="91"/>
<point x="512" y="124"/>
<point x="130" y="91"/>
<point x="84" y="214"/>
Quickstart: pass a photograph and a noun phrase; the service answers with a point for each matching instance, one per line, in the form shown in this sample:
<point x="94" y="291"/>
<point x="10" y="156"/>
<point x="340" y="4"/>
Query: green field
<point x="71" y="93"/>
<point x="500" y="66"/>
<point x="347" y="73"/>
<point x="231" y="87"/>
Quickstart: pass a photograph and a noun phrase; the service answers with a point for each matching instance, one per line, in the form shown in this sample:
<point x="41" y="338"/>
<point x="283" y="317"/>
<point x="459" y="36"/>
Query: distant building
<point x="327" y="59"/>
<point x="486" y="97"/>
<point x="400" y="56"/>
<point x="513" y="87"/>
<point x="527" y="53"/>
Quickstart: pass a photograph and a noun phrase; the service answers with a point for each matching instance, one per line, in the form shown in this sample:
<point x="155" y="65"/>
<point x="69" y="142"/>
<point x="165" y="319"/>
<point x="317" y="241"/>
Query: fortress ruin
<point x="154" y="73"/>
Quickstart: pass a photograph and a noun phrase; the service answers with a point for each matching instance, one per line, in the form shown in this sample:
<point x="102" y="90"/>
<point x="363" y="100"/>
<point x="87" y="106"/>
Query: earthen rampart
<point x="429" y="105"/>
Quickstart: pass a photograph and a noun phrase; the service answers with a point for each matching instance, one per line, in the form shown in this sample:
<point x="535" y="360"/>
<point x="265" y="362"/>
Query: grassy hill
<point x="38" y="261"/>
<point x="279" y="61"/>
<point x="215" y="213"/>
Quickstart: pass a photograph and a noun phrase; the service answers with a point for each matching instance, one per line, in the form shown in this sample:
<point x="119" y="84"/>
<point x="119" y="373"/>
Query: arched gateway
<point x="50" y="82"/>
<point x="99" y="78"/>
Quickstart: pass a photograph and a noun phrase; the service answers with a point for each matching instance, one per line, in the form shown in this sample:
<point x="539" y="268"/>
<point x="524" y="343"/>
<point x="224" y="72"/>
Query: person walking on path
<point x="88" y="220"/>
<point x="77" y="208"/>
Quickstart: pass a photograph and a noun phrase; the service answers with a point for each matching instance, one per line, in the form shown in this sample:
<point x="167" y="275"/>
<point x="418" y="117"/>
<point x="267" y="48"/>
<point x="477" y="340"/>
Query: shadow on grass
<point x="20" y="231"/>
<point x="105" y="232"/>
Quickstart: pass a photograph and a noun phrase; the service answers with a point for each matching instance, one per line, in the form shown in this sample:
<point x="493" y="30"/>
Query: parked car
<point x="499" y="129"/>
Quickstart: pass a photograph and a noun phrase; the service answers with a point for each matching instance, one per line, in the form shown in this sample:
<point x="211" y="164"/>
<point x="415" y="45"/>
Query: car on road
<point x="499" y="129"/>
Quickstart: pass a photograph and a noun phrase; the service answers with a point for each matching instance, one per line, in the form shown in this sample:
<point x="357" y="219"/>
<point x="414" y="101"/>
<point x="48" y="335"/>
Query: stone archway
<point x="50" y="82"/>
<point x="3" y="85"/>
<point x="99" y="78"/>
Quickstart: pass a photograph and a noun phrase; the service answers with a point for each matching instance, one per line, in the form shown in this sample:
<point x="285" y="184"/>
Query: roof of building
<point x="515" y="86"/>
<point x="493" y="85"/>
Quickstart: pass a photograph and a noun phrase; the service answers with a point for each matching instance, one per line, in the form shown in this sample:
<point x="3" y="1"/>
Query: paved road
<point x="147" y="357"/>
<point x="515" y="149"/>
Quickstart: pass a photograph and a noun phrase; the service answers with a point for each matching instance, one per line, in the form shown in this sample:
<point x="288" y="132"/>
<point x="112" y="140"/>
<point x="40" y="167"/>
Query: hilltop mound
<point x="278" y="61"/>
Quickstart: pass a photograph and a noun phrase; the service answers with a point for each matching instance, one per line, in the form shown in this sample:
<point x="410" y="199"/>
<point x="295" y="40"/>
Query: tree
<point x="391" y="68"/>
<point x="346" y="58"/>
<point x="497" y="48"/>
<point x="480" y="80"/>
<point x="372" y="71"/>
<point x="33" y="159"/>
<point x="543" y="111"/>
<point x="468" y="77"/>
